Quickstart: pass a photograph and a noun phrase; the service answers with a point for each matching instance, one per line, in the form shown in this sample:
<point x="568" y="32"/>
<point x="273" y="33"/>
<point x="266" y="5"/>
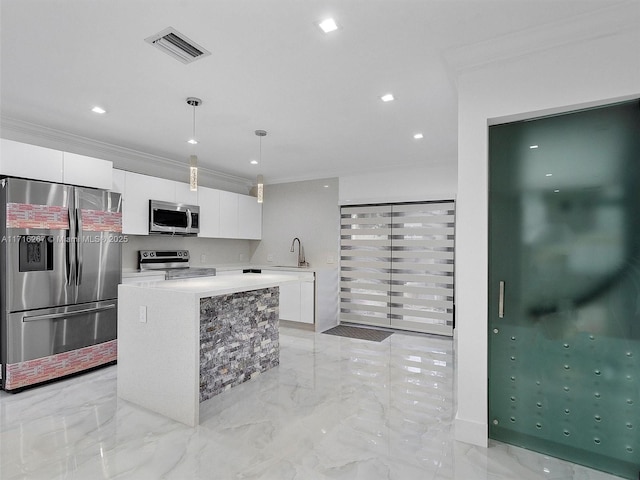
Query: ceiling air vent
<point x="174" y="43"/>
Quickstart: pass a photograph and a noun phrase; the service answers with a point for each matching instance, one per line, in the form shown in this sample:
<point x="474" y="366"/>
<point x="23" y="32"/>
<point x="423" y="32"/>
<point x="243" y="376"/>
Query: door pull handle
<point x="501" y="300"/>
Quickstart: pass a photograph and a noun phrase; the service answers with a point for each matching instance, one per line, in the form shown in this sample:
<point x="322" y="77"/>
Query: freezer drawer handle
<point x="50" y="316"/>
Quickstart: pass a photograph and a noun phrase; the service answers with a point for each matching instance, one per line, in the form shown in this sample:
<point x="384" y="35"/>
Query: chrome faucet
<point x="301" y="261"/>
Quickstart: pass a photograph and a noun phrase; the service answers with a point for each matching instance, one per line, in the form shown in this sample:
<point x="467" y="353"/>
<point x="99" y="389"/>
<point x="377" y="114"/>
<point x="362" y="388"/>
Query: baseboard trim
<point x="475" y="433"/>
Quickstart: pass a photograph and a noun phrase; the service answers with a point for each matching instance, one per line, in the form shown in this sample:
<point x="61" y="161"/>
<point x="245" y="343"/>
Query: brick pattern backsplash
<point x="101" y="221"/>
<point x="42" y="369"/>
<point x="24" y="215"/>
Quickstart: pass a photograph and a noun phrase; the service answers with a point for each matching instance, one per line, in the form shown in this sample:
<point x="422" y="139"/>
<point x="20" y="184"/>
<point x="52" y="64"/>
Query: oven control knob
<point x="152" y="254"/>
<point x="144" y="254"/>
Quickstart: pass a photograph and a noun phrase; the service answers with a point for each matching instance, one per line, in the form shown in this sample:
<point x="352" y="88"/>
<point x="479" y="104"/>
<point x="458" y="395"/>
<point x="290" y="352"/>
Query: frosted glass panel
<point x="397" y="266"/>
<point x="564" y="229"/>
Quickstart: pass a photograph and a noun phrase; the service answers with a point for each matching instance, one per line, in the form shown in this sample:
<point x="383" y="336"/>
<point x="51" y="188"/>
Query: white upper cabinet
<point x="119" y="177"/>
<point x="86" y="171"/>
<point x="228" y="214"/>
<point x="249" y="218"/>
<point x="39" y="163"/>
<point x="209" y="201"/>
<point x="30" y="161"/>
<point x="138" y="190"/>
<point x="185" y="195"/>
<point x="222" y="214"/>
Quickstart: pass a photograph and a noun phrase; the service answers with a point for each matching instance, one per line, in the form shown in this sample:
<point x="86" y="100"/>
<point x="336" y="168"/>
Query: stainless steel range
<point x="175" y="264"/>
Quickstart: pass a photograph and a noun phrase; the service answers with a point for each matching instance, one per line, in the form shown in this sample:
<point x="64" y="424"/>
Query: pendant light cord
<point x="194" y="123"/>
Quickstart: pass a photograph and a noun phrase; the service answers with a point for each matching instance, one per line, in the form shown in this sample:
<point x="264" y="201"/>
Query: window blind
<point x="397" y="266"/>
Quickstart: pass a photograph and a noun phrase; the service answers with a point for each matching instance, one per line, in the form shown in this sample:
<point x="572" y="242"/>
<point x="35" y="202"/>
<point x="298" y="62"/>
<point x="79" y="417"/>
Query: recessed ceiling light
<point x="532" y="147"/>
<point x="326" y="186"/>
<point x="253" y="162"/>
<point x="418" y="136"/>
<point x="549" y="175"/>
<point x="192" y="141"/>
<point x="387" y="98"/>
<point x="99" y="110"/>
<point x="328" y="25"/>
<point x="556" y="191"/>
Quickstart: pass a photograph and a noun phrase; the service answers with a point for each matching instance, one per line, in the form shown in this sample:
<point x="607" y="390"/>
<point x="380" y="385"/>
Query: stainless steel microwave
<point x="173" y="218"/>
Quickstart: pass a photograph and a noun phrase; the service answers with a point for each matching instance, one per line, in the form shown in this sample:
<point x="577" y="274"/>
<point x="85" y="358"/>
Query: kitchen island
<point x="180" y="342"/>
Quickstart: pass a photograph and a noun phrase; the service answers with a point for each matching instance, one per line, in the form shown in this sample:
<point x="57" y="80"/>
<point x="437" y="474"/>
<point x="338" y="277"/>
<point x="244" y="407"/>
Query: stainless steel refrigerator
<point x="60" y="260"/>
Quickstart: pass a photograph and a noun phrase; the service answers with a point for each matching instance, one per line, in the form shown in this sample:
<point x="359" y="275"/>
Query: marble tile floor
<point x="335" y="408"/>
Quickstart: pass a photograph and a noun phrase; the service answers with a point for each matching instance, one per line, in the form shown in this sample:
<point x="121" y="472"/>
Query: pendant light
<point x="260" y="179"/>
<point x="193" y="159"/>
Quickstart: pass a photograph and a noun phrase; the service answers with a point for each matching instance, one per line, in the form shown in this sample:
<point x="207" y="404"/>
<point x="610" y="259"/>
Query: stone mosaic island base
<point x="238" y="339"/>
<point x="181" y="342"/>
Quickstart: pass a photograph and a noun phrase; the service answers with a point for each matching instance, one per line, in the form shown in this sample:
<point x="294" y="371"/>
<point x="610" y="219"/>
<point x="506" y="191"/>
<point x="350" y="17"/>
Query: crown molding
<point x="122" y="157"/>
<point x="600" y="23"/>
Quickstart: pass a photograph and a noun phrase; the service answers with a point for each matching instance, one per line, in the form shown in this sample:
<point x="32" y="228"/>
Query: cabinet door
<point x="228" y="214"/>
<point x="249" y="218"/>
<point x="139" y="189"/>
<point x="290" y="302"/>
<point x="30" y="161"/>
<point x="118" y="181"/>
<point x="307" y="301"/>
<point x="185" y="195"/>
<point x="86" y="171"/>
<point x="209" y="201"/>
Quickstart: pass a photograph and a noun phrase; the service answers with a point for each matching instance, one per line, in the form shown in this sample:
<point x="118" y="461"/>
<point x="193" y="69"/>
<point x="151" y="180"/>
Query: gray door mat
<point x="359" y="332"/>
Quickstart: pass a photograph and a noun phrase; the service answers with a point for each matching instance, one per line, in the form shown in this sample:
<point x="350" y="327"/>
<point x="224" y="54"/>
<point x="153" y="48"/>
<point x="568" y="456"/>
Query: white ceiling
<point x="271" y="68"/>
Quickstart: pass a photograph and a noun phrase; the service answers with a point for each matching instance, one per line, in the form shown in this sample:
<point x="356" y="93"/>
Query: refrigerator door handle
<point x="49" y="316"/>
<point x="71" y="247"/>
<point x="79" y="259"/>
<point x="67" y="259"/>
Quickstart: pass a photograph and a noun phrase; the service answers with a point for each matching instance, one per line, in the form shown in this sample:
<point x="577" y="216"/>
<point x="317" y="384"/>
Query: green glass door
<point x="564" y="286"/>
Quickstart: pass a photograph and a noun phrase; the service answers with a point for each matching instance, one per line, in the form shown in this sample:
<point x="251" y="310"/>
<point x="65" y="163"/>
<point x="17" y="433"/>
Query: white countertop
<point x="225" y="267"/>
<point x="214" y="286"/>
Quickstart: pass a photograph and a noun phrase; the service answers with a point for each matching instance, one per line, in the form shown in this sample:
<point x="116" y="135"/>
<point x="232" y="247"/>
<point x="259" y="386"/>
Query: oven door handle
<point x="50" y="316"/>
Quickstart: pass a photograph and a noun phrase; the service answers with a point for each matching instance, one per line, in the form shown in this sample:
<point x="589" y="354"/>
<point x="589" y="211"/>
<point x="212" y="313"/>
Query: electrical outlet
<point x="203" y="258"/>
<point x="270" y="257"/>
<point x="331" y="259"/>
<point x="142" y="314"/>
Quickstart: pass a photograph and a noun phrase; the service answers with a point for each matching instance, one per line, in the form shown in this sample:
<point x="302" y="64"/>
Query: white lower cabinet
<point x="307" y="301"/>
<point x="297" y="299"/>
<point x="290" y="302"/>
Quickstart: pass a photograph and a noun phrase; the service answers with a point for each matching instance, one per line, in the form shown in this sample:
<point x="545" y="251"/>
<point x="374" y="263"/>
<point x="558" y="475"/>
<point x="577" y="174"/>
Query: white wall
<point x="307" y="210"/>
<point x="434" y="182"/>
<point x="215" y="251"/>
<point x="599" y="71"/>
